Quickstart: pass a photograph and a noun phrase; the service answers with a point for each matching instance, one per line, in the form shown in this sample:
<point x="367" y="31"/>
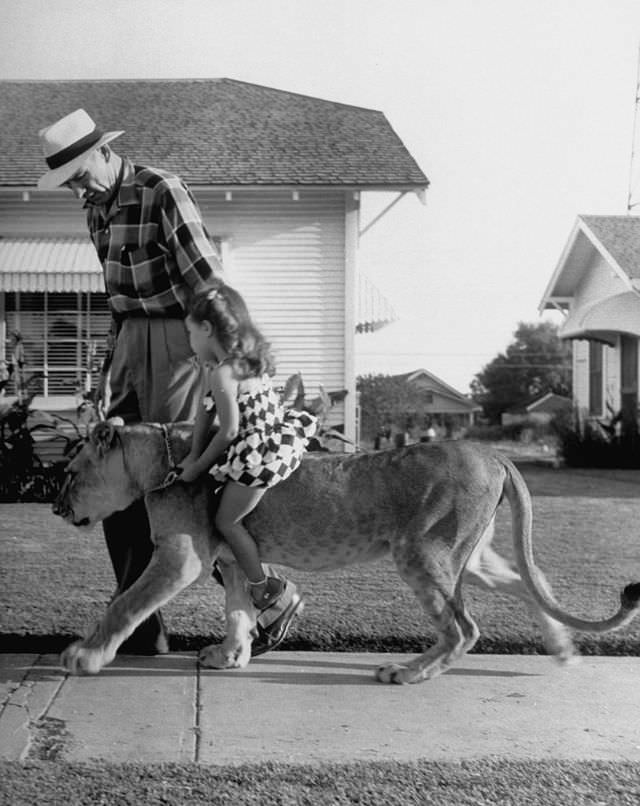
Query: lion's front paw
<point x="393" y="673"/>
<point x="217" y="656"/>
<point x="78" y="659"/>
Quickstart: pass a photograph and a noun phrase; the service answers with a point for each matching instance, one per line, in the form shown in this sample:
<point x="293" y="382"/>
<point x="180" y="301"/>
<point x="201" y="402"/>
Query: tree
<point x="385" y="401"/>
<point x="537" y="361"/>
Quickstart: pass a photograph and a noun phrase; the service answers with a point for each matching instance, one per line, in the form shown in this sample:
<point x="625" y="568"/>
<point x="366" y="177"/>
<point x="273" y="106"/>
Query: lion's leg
<point x="174" y="565"/>
<point x="235" y="651"/>
<point x="489" y="570"/>
<point x="434" y="586"/>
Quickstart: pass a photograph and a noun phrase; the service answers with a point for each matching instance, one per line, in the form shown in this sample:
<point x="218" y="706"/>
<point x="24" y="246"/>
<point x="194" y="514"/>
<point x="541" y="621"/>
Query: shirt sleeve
<point x="186" y="237"/>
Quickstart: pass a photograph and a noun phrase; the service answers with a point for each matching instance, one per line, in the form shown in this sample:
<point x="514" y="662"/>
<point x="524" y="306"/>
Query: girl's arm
<point x="201" y="425"/>
<point x="225" y="393"/>
<point x="201" y="429"/>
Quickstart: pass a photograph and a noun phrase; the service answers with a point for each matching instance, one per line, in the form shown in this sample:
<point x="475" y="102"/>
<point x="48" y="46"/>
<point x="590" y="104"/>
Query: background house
<point x="406" y="406"/>
<point x="540" y="410"/>
<point x="278" y="177"/>
<point x="437" y="404"/>
<point x="596" y="285"/>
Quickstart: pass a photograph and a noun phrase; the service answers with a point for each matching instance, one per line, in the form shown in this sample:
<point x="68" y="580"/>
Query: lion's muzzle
<point x="61" y="506"/>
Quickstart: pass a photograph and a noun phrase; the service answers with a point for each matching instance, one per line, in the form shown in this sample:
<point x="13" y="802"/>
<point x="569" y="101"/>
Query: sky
<point x="521" y="114"/>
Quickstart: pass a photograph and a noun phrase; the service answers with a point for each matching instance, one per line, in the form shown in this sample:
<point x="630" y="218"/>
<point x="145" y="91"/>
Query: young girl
<point x="258" y="443"/>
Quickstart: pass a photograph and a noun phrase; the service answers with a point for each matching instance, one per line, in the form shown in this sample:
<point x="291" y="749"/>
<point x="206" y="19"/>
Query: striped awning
<point x="71" y="264"/>
<point x="374" y="310"/>
<point x="49" y="264"/>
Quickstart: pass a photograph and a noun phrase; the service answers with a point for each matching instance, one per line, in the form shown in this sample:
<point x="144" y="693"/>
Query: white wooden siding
<point x="55" y="214"/>
<point x="596" y="283"/>
<point x="612" y="377"/>
<point x="286" y="257"/>
<point x="581" y="374"/>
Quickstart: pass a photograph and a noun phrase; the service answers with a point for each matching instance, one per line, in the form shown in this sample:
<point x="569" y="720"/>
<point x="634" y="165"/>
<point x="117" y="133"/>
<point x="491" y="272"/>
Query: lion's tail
<point x="516" y="491"/>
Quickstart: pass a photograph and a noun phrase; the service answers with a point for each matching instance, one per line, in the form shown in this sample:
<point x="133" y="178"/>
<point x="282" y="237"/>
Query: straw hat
<point x="67" y="144"/>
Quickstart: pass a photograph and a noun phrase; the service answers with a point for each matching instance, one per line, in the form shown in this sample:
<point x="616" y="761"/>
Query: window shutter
<point x="64" y="339"/>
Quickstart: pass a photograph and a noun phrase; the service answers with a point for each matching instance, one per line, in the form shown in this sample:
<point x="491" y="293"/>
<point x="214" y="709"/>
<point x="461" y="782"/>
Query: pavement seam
<point x="197" y="730"/>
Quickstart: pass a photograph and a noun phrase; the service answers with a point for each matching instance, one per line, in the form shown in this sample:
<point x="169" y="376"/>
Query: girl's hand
<point x="189" y="471"/>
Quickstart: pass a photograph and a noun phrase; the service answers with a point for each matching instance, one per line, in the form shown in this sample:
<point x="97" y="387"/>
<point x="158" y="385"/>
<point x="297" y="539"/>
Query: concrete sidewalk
<point x="303" y="707"/>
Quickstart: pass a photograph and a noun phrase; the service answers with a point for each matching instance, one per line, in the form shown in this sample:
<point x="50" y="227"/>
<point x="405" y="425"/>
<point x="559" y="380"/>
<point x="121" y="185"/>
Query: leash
<point x="174" y="471"/>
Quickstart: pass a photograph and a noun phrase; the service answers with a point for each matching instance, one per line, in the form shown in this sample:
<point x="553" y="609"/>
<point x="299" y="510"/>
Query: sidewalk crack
<point x="46" y="736"/>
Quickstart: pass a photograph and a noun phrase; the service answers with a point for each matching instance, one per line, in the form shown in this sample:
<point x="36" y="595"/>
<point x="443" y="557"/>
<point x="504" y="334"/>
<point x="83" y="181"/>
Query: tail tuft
<point x="630" y="596"/>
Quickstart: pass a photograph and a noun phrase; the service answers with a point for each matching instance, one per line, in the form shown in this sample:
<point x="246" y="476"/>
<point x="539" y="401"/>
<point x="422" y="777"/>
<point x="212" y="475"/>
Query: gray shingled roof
<point x="212" y="131"/>
<point x="620" y="236"/>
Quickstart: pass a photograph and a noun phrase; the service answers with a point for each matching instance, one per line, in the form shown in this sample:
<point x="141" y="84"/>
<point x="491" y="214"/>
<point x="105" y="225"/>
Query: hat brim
<point x="58" y="176"/>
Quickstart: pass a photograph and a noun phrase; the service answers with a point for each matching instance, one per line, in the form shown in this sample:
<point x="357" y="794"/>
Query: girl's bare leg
<point x="237" y="502"/>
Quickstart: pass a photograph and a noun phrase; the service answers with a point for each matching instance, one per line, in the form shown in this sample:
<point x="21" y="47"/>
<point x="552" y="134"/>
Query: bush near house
<point x="24" y="477"/>
<point x="523" y="431"/>
<point x="585" y="443"/>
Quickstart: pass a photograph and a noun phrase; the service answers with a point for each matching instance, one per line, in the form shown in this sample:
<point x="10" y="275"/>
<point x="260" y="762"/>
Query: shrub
<point x="524" y="431"/>
<point x="23" y="476"/>
<point x="584" y="443"/>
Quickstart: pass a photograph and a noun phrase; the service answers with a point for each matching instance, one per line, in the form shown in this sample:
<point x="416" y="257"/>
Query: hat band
<point x="74" y="150"/>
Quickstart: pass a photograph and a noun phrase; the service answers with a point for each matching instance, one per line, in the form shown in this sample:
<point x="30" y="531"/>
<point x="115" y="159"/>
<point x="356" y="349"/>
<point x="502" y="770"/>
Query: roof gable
<point x="616" y="238"/>
<point x="212" y="131"/>
<point x="430" y="382"/>
<point x="619" y="236"/>
<point x="547" y="403"/>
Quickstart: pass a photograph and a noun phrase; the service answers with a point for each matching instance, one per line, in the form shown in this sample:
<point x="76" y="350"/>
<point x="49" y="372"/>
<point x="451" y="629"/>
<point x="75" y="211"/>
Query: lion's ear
<point x="103" y="436"/>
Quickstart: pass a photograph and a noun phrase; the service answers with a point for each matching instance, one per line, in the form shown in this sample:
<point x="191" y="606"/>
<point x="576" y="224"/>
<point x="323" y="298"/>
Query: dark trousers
<point x="152" y="378"/>
<point x="128" y="540"/>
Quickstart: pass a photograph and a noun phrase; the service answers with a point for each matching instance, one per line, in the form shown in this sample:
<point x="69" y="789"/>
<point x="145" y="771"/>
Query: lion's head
<point x="97" y="483"/>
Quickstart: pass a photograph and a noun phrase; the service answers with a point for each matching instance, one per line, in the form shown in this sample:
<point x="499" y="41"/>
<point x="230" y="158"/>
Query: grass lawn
<point x="483" y="782"/>
<point x="56" y="580"/>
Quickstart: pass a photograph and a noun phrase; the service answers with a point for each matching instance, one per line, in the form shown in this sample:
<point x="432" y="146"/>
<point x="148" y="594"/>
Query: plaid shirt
<point x="152" y="244"/>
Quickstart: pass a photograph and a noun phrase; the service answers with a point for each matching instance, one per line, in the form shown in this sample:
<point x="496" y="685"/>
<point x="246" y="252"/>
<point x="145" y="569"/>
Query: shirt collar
<point x="128" y="191"/>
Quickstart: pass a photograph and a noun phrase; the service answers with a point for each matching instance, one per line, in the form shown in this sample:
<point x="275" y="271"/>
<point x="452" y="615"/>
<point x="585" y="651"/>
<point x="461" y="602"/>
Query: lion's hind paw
<point x="216" y="656"/>
<point x="393" y="673"/>
<point x="568" y="658"/>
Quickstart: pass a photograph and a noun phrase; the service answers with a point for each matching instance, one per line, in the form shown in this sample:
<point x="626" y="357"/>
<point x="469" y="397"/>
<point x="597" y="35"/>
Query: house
<point x="278" y="177"/>
<point x="596" y="286"/>
<point x="429" y="403"/>
<point x="540" y="410"/>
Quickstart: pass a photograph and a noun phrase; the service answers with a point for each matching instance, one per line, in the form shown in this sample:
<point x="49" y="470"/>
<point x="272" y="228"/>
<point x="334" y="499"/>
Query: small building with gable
<point x="596" y="286"/>
<point x="541" y="409"/>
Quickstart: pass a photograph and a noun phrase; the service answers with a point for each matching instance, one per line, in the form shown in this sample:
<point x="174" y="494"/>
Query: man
<point x="154" y="250"/>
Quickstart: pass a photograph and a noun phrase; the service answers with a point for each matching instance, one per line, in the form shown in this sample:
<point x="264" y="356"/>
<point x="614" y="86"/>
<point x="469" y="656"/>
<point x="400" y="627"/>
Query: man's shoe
<point x="271" y="633"/>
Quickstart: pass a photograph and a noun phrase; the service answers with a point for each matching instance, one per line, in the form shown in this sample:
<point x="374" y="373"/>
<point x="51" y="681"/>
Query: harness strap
<point x="174" y="471"/>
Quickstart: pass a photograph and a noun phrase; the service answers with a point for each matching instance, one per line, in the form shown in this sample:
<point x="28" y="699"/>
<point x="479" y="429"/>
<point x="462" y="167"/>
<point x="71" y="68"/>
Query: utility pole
<point x="630" y="203"/>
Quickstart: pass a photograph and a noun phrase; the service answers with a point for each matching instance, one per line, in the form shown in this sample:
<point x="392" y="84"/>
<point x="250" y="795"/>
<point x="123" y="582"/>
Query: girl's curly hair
<point x="226" y="311"/>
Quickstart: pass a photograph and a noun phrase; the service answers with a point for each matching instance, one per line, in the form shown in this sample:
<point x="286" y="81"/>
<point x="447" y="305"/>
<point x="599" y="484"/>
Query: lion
<point x="430" y="505"/>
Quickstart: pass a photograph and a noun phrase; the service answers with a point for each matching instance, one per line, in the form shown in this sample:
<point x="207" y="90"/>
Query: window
<point x="596" y="351"/>
<point x="64" y="338"/>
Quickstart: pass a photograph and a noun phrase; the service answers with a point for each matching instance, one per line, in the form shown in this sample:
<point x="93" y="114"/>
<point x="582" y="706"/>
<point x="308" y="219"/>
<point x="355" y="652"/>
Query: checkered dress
<point x="270" y="441"/>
